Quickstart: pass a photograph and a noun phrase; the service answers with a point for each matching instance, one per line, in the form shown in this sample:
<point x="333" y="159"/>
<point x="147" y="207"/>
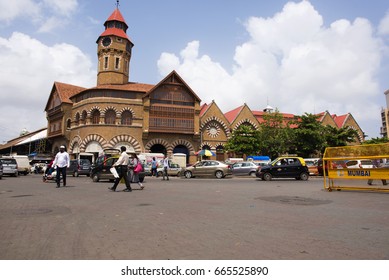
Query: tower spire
<point x="117" y="4"/>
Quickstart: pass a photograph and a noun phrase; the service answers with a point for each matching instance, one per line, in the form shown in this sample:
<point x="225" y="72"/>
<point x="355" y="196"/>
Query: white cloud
<point x="47" y="14"/>
<point x="29" y="69"/>
<point x="295" y="62"/>
<point x="383" y="27"/>
<point x="21" y="8"/>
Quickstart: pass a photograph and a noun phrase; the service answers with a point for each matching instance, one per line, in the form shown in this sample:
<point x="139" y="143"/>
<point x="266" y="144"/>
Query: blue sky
<point x="297" y="56"/>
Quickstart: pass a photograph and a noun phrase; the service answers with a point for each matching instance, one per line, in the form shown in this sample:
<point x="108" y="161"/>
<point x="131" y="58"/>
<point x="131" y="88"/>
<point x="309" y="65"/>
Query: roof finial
<point x="117" y="4"/>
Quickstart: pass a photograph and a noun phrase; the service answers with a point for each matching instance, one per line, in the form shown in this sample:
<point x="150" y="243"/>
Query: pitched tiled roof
<point x="231" y="115"/>
<point x="203" y="109"/>
<point x="116" y="15"/>
<point x="65" y="91"/>
<point x="128" y="87"/>
<point x="116" y="32"/>
<point x="340" y="120"/>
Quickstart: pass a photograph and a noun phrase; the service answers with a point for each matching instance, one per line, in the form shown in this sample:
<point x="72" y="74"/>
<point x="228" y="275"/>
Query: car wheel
<point x="159" y="173"/>
<point x="188" y="174"/>
<point x="304" y="176"/>
<point x="267" y="177"/>
<point x="95" y="178"/>
<point x="252" y="174"/>
<point x="219" y="174"/>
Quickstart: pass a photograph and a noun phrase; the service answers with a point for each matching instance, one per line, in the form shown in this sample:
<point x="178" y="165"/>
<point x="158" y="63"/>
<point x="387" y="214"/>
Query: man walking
<point x="61" y="162"/>
<point x="165" y="167"/>
<point x="122" y="168"/>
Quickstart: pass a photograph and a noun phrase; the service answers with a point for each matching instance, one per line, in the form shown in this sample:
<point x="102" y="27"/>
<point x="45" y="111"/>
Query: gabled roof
<point x="116" y="15"/>
<point x="340" y="120"/>
<point x="128" y="87"/>
<point x="231" y="115"/>
<point x="173" y="77"/>
<point x="203" y="109"/>
<point x="65" y="91"/>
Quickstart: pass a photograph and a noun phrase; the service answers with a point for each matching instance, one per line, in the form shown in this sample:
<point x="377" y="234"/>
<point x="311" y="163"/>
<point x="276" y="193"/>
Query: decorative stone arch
<point x="246" y="121"/>
<point x="109" y="108"/>
<point x="93" y="109"/>
<point x="219" y="121"/>
<point x="75" y="116"/>
<point x="160" y="141"/>
<point x="360" y="134"/>
<point x="94" y="137"/>
<point x="124" y="138"/>
<point x="127" y="109"/>
<point x="207" y="144"/>
<point x="183" y="143"/>
<point x="75" y="141"/>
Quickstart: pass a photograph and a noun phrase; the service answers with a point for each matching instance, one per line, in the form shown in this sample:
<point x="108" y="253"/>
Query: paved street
<point x="234" y="218"/>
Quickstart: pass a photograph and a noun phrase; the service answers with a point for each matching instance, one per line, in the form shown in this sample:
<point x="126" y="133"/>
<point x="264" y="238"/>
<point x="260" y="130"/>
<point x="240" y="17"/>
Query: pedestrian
<point x="165" y="168"/>
<point x="61" y="162"/>
<point x="136" y="170"/>
<point x="370" y="181"/>
<point x="154" y="166"/>
<point x="121" y="166"/>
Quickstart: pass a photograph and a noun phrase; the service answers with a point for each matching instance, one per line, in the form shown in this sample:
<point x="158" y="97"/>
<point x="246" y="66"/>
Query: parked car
<point x="10" y="166"/>
<point x="207" y="168"/>
<point x="100" y="171"/>
<point x="79" y="167"/>
<point x="284" y="167"/>
<point x="312" y="166"/>
<point x="173" y="170"/>
<point x="1" y="169"/>
<point x="360" y="163"/>
<point x="23" y="162"/>
<point x="244" y="168"/>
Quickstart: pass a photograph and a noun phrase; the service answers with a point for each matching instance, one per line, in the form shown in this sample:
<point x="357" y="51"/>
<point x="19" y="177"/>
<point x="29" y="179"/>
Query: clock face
<point x="106" y="41"/>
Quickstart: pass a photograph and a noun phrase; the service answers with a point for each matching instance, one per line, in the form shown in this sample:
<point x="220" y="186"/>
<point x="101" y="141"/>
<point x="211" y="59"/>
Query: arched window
<point x="110" y="116"/>
<point x="68" y="124"/>
<point x="83" y="117"/>
<point x="77" y="120"/>
<point x="95" y="117"/>
<point x="126" y="118"/>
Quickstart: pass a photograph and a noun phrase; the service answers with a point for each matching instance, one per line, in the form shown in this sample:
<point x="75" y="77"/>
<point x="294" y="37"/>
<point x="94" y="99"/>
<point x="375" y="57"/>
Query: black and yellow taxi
<point x="284" y="167"/>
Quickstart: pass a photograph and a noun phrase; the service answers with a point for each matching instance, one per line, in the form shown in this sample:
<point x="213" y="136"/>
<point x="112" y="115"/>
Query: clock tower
<point x="114" y="51"/>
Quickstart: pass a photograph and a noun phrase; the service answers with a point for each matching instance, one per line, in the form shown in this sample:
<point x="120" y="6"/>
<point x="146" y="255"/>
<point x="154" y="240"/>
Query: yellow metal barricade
<point x="339" y="175"/>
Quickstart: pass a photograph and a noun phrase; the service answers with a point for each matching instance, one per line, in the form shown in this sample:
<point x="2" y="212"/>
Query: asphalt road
<point x="190" y="219"/>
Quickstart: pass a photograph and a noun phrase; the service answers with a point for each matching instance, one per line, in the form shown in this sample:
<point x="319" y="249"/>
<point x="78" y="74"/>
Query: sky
<point x="296" y="56"/>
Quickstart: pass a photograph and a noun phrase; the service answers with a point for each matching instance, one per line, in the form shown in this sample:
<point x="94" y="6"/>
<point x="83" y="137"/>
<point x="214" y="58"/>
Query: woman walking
<point x="136" y="170"/>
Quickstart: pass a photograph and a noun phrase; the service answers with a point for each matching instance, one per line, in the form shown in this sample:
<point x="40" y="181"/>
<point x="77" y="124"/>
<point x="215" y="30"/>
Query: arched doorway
<point x="181" y="149"/>
<point x="158" y="148"/>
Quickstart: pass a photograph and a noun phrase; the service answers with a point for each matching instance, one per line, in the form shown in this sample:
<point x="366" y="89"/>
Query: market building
<point x="167" y="117"/>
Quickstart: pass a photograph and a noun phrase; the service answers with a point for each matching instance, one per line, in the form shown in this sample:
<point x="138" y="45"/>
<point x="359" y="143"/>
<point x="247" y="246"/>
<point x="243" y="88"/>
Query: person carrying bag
<point x="138" y="167"/>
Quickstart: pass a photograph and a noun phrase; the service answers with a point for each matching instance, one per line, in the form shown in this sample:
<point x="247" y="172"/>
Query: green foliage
<point x="376" y="141"/>
<point x="336" y="137"/>
<point x="276" y="137"/>
<point x="245" y="140"/>
<point x="309" y="135"/>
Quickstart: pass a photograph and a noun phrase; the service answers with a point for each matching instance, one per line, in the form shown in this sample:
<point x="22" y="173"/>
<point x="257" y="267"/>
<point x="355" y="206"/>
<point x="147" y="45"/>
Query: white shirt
<point x="123" y="159"/>
<point x="166" y="162"/>
<point x="62" y="159"/>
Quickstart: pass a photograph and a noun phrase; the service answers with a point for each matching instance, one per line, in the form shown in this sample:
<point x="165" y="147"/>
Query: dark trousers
<point x="122" y="172"/>
<point x="165" y="173"/>
<point x="61" y="170"/>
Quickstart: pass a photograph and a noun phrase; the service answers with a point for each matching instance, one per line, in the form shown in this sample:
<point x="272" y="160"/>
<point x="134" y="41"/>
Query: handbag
<point x="138" y="168"/>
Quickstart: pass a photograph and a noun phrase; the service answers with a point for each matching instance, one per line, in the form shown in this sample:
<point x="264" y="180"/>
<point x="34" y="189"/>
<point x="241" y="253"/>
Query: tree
<point x="309" y="135"/>
<point x="245" y="140"/>
<point x="276" y="137"/>
<point x="376" y="141"/>
<point x="336" y="137"/>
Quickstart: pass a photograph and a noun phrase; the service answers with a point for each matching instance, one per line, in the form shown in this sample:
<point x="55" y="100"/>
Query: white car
<point x="360" y="163"/>
<point x="173" y="170"/>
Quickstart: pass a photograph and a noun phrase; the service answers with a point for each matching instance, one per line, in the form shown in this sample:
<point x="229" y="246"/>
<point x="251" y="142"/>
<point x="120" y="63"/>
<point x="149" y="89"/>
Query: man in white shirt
<point x="61" y="162"/>
<point x="165" y="167"/>
<point x="122" y="168"/>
